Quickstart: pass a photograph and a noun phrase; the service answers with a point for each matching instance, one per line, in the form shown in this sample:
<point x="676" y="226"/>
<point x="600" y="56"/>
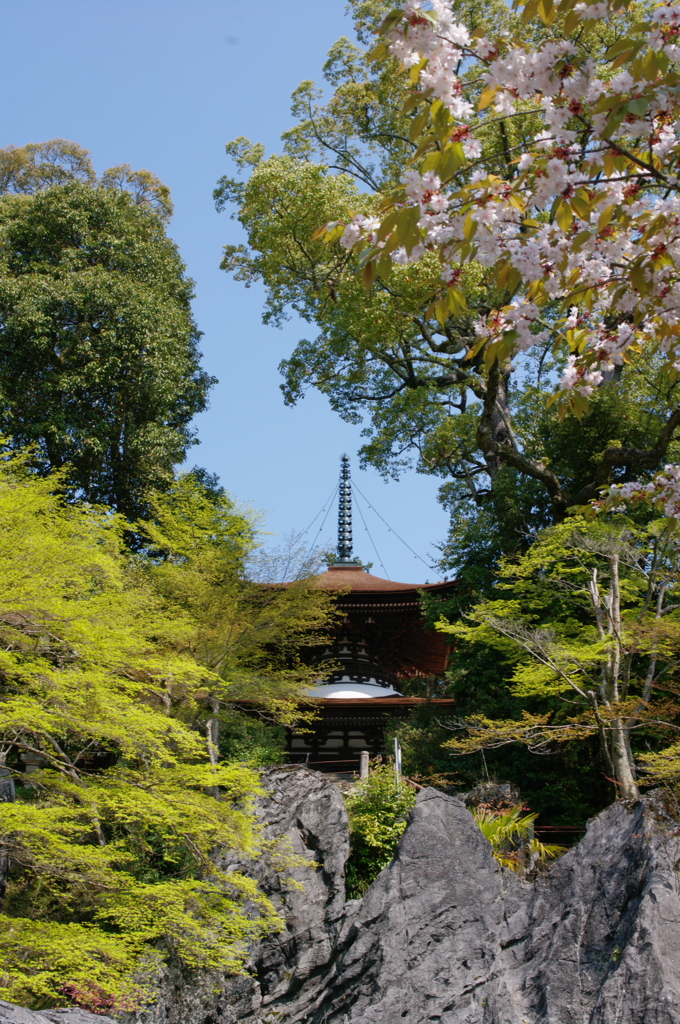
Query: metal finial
<point x="345" y="513"/>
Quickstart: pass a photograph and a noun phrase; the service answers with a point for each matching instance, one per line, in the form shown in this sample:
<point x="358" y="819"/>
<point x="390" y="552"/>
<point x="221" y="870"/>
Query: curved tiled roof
<point x="354" y="579"/>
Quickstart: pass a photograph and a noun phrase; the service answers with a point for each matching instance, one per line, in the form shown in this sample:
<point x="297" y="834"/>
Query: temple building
<point x="380" y="642"/>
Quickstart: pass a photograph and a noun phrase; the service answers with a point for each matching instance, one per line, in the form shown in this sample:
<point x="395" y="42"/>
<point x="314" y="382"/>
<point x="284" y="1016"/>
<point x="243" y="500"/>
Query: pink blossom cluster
<point x="520" y="319"/>
<point x="443" y="41"/>
<point x="360" y="227"/>
<point x="663" y="492"/>
<point x="606" y="266"/>
<point x="580" y="377"/>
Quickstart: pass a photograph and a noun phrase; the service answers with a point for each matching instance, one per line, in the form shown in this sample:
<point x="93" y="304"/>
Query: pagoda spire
<point x="345" y="515"/>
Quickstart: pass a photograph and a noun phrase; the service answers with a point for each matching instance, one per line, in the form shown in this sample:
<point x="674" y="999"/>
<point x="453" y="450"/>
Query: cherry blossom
<point x="587" y="219"/>
<point x="595" y="252"/>
<point x="663" y="492"/>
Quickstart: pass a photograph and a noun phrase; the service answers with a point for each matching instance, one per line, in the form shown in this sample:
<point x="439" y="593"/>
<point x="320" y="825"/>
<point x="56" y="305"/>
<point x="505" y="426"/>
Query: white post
<point x="363" y="764"/>
<point x="397" y="759"/>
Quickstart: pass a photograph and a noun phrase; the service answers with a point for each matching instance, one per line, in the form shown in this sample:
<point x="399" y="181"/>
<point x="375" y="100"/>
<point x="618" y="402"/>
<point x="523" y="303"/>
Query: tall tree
<point x="580" y="229"/>
<point x="99" y="360"/>
<point x="385" y="352"/>
<point x="27" y="169"/>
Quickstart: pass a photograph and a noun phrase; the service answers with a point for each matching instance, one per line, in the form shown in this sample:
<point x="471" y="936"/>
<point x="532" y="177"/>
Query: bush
<point x="251" y="741"/>
<point x="378" y="809"/>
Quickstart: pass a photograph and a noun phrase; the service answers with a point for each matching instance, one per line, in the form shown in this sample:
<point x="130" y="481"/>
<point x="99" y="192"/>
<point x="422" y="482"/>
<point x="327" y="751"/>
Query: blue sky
<point x="163" y="84"/>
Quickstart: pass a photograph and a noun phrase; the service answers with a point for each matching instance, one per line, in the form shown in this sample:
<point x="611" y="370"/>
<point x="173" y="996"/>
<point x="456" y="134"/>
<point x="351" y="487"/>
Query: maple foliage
<point x="109" y="698"/>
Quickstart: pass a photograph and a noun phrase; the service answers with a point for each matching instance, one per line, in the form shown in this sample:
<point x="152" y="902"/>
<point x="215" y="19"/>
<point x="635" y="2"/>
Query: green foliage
<point x="566" y="786"/>
<point x="28" y="169"/>
<point x="663" y="766"/>
<point x="385" y="354"/>
<point x="253" y="741"/>
<point x="587" y="620"/>
<point x="99" y="364"/>
<point x="510" y="833"/>
<point x="246" y="628"/>
<point x="113" y="845"/>
<point x="378" y="808"/>
<point x="39" y="165"/>
<point x="421" y="736"/>
<point x="145" y="189"/>
<point x="70" y="963"/>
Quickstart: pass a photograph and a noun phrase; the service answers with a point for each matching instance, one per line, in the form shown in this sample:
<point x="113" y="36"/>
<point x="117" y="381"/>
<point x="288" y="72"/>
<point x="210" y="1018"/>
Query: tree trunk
<point x="610" y="627"/>
<point x="212" y="735"/>
<point x="624" y="771"/>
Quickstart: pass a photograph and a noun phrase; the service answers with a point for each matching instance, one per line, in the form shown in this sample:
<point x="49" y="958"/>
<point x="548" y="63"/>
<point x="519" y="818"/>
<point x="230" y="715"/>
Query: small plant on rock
<point x="378" y="809"/>
<point x="510" y="832"/>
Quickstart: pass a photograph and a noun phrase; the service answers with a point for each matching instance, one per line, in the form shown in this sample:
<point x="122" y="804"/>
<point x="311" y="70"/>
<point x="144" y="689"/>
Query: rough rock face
<point x="6" y="786"/>
<point x="308" y="811"/>
<point x="7" y="795"/>
<point x="10" y="1014"/>
<point x="445" y="934"/>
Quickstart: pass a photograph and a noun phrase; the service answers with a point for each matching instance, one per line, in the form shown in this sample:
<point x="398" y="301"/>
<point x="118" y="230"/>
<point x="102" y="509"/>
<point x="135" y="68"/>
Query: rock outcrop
<point x="307" y="813"/>
<point x="445" y="934"/>
<point x="7" y="795"/>
<point x="11" y="1014"/>
<point x="6" y="786"/>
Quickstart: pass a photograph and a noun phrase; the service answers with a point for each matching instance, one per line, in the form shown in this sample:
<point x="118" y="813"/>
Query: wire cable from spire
<point x="322" y="509"/>
<point x="377" y="553"/>
<point x="323" y="521"/>
<point x="415" y="553"/>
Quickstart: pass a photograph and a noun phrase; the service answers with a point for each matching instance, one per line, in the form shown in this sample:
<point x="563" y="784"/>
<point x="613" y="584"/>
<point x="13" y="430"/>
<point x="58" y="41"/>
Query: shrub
<point x="378" y="809"/>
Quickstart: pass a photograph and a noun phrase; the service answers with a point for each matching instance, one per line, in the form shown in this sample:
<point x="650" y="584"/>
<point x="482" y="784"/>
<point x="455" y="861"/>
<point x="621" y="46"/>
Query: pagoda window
<point x="334" y="741"/>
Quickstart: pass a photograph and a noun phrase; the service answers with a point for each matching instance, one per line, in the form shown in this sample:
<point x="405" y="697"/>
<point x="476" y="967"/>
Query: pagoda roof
<point x="358" y="711"/>
<point x="362" y="703"/>
<point x="352" y="578"/>
<point x="376" y="703"/>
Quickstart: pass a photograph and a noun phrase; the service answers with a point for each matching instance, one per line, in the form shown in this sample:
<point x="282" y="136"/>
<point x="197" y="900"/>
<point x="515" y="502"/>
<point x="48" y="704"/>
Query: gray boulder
<point x="72" y="1015"/>
<point x="445" y="934"/>
<point x="307" y="814"/>
<point x="7" y="792"/>
<point x="7" y="795"/>
<point x="11" y="1014"/>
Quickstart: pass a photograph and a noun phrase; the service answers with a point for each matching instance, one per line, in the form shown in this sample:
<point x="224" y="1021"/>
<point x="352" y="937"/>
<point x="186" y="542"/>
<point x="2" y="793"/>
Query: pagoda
<point x="380" y="641"/>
